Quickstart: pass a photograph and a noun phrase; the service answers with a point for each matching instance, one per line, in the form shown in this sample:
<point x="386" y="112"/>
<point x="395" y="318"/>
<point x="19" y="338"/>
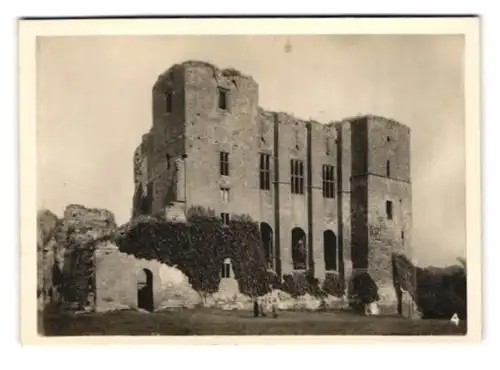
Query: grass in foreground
<point x="219" y="322"/>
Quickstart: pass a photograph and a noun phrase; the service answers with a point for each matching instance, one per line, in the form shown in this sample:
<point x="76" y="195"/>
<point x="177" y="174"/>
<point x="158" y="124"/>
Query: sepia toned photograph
<point x="251" y="183"/>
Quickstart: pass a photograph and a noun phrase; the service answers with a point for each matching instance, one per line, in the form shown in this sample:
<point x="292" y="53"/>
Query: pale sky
<point x="94" y="104"/>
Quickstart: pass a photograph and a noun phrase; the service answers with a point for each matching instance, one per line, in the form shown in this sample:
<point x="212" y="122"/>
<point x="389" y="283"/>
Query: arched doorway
<point x="145" y="290"/>
<point x="299" y="249"/>
<point x="330" y="250"/>
<point x="266" y="235"/>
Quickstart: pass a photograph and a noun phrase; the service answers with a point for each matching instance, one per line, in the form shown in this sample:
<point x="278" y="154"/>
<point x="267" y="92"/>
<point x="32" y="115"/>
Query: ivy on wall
<point x="199" y="247"/>
<point x="439" y="292"/>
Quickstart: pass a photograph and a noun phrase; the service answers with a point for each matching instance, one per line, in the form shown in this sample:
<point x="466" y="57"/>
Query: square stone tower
<point x="380" y="201"/>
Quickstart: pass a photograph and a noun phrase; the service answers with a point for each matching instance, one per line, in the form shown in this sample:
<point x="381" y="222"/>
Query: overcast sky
<point x="94" y="104"/>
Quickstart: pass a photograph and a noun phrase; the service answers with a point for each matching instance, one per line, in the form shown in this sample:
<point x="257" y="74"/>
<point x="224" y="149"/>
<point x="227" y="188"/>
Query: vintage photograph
<point x="251" y="184"/>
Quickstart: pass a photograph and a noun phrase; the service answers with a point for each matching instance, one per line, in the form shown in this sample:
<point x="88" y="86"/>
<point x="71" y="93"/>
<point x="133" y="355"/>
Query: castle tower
<point x="199" y="112"/>
<point x="221" y="138"/>
<point x="380" y="199"/>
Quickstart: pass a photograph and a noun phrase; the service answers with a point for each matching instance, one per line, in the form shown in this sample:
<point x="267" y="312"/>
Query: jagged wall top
<point x="283" y="116"/>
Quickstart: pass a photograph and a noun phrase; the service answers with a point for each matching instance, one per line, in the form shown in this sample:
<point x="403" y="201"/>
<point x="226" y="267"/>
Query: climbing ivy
<point x="199" y="247"/>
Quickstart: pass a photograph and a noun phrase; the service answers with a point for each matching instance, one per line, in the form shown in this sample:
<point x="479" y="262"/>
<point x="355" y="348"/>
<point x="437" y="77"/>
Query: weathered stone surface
<point x="175" y="212"/>
<point x="87" y="224"/>
<point x="115" y="290"/>
<point x="409" y="308"/>
<point x="47" y="224"/>
<point x="64" y="265"/>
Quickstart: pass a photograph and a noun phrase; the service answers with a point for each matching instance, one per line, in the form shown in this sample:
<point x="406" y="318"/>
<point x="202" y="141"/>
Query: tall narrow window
<point x="330" y="250"/>
<point x="167" y="158"/>
<point x="225" y="218"/>
<point x="328" y="181"/>
<point x="388" y="168"/>
<point x="226" y="269"/>
<point x="168" y="102"/>
<point x="388" y="209"/>
<point x="224" y="194"/>
<point x="297" y="176"/>
<point x="224" y="163"/>
<point x="223" y="95"/>
<point x="265" y="172"/>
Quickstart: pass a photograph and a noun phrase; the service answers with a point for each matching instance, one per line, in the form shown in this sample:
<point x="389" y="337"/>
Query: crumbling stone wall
<point x="46" y="245"/>
<point x="141" y="198"/>
<point x="117" y="275"/>
<point x="66" y="263"/>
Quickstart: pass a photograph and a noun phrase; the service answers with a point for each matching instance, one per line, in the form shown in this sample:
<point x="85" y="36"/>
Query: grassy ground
<point x="218" y="322"/>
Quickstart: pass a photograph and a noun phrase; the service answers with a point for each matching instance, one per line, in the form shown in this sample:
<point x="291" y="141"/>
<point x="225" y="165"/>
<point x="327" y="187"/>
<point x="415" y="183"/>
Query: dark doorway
<point x="266" y="234"/>
<point x="145" y="290"/>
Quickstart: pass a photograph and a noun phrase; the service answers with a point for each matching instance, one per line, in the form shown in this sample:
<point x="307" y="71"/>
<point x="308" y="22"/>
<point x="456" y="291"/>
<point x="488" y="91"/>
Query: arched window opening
<point x="299" y="249"/>
<point x="226" y="269"/>
<point x="145" y="290"/>
<point x="266" y="234"/>
<point x="330" y="250"/>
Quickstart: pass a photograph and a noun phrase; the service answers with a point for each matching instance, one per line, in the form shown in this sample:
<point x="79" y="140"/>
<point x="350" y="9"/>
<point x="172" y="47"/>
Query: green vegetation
<point x="199" y="247"/>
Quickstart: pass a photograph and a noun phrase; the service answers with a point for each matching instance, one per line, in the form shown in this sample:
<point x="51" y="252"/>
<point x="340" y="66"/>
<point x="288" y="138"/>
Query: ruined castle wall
<point x="324" y="210"/>
<point x="389" y="181"/>
<point x="115" y="291"/>
<point x="293" y="207"/>
<point x="359" y="195"/>
<point x="388" y="141"/>
<point x="386" y="235"/>
<point x="182" y="157"/>
<point x="265" y="144"/>
<point x="168" y="133"/>
<point x="140" y="180"/>
<point x="344" y="167"/>
<point x="210" y="130"/>
<point x="380" y="199"/>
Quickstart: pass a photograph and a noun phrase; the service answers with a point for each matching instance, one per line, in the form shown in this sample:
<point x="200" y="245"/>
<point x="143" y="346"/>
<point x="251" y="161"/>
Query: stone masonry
<point x="200" y="111"/>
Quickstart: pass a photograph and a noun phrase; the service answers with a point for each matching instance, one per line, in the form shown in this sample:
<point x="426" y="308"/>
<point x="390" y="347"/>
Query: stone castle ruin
<point x="332" y="200"/>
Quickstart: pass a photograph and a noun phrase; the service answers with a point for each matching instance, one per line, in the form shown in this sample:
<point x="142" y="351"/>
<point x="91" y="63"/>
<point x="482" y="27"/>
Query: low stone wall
<point x="117" y="276"/>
